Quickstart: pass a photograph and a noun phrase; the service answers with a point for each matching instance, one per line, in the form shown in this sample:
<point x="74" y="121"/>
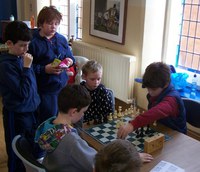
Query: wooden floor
<point x="3" y="155"/>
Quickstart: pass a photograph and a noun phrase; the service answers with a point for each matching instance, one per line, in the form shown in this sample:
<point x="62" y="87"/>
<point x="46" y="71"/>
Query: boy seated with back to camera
<point x="66" y="150"/>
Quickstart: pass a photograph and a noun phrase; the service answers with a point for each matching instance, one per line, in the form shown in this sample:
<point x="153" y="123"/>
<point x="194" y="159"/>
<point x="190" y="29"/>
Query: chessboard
<point x="107" y="132"/>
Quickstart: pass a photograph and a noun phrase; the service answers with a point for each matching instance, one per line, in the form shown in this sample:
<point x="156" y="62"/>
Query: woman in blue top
<point x="46" y="46"/>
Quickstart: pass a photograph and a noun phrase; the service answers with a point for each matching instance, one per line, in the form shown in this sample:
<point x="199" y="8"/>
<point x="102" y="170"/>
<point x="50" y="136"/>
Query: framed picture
<point x="108" y="19"/>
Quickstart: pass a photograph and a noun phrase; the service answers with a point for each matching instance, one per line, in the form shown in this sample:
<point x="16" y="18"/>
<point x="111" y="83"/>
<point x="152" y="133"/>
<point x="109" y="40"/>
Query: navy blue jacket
<point x="177" y="123"/>
<point x="17" y="85"/>
<point x="44" y="51"/>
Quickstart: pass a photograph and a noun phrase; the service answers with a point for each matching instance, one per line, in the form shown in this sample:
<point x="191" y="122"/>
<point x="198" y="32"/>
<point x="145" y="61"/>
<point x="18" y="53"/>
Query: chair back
<point x="80" y="61"/>
<point x="113" y="97"/>
<point x="23" y="150"/>
<point x="192" y="108"/>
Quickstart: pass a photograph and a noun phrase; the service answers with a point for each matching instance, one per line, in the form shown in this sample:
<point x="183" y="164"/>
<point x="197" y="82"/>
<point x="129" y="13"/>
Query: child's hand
<point x="28" y="58"/>
<point x="52" y="70"/>
<point x="124" y="131"/>
<point x="145" y="157"/>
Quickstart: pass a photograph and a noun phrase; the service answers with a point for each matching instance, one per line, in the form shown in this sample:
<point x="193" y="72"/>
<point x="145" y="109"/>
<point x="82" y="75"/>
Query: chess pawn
<point x="125" y="112"/>
<point x="129" y="111"/>
<point x="138" y="112"/>
<point x="115" y="115"/>
<point x="131" y="107"/>
<point x="110" y="118"/>
<point x="119" y="123"/>
<point x="134" y="110"/>
<point x="119" y="114"/>
<point x="155" y="123"/>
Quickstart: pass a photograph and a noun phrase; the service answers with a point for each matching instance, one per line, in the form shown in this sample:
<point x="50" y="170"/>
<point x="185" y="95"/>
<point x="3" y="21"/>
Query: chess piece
<point x="147" y="130"/>
<point x="125" y="112"/>
<point x="115" y="115"/>
<point x="110" y="118"/>
<point x="120" y="112"/>
<point x="119" y="123"/>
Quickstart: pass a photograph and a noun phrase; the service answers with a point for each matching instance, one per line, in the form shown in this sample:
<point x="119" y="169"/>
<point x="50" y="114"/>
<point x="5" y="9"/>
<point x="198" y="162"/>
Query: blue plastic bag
<point x="179" y="80"/>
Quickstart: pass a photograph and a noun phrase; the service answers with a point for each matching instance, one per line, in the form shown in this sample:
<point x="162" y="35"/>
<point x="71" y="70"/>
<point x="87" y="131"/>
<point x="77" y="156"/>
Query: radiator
<point x="118" y="68"/>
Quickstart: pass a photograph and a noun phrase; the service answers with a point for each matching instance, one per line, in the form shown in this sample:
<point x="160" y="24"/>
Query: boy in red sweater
<point x="164" y="102"/>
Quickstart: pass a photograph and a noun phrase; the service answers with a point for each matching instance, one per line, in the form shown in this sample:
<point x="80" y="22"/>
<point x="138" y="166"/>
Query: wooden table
<point x="180" y="150"/>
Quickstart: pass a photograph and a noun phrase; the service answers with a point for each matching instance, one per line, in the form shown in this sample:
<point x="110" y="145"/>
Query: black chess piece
<point x="99" y="121"/>
<point x="137" y="133"/>
<point x="147" y="130"/>
<point x="105" y="119"/>
<point x="95" y="122"/>
<point x="141" y="132"/>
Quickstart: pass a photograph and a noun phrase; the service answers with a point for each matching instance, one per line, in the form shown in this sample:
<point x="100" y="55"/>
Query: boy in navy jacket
<point x="46" y="47"/>
<point x="164" y="102"/>
<point x="18" y="89"/>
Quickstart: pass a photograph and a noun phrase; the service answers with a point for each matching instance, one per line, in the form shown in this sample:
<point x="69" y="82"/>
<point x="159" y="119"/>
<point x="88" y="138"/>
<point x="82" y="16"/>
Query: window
<point x="72" y="12"/>
<point x="188" y="54"/>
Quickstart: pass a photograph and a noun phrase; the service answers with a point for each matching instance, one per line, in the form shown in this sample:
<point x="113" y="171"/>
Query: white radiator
<point x="118" y="68"/>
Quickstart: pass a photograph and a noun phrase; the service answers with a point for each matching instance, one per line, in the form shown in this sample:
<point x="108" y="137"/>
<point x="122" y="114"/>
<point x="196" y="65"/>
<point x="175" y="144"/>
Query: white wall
<point x="153" y="32"/>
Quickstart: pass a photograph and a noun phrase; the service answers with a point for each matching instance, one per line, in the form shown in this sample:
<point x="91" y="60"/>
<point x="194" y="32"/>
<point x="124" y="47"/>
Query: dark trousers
<point x="14" y="124"/>
<point x="48" y="107"/>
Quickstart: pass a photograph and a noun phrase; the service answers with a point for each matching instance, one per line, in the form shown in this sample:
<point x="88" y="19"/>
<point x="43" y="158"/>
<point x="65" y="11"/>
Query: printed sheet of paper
<point x="164" y="166"/>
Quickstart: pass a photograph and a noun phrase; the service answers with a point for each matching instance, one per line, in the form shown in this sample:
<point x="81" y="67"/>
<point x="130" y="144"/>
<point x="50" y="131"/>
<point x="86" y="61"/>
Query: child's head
<point x="74" y="97"/>
<point x="48" y="20"/>
<point x="156" y="77"/>
<point x="17" y="36"/>
<point x="118" y="156"/>
<point x="92" y="73"/>
<point x="48" y="14"/>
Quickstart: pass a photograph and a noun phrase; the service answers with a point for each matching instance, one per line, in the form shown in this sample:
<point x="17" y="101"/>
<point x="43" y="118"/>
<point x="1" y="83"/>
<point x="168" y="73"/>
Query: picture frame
<point x="108" y="19"/>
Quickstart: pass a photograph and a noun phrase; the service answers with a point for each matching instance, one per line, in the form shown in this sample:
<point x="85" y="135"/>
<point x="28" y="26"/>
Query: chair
<point x="80" y="61"/>
<point x="23" y="149"/>
<point x="192" y="108"/>
<point x="113" y="97"/>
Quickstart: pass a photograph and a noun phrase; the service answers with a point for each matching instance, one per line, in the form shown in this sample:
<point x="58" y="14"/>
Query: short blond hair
<point x="91" y="66"/>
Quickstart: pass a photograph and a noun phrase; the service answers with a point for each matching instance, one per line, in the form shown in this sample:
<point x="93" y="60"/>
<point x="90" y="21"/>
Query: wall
<point x="134" y="30"/>
<point x="143" y="38"/>
<point x="7" y="7"/>
<point x="27" y="8"/>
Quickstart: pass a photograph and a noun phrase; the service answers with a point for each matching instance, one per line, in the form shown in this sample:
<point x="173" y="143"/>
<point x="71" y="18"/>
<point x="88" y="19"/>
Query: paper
<point x="164" y="166"/>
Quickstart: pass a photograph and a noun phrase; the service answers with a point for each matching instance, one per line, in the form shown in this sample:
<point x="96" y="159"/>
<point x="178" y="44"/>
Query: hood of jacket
<point x="8" y="57"/>
<point x="49" y="135"/>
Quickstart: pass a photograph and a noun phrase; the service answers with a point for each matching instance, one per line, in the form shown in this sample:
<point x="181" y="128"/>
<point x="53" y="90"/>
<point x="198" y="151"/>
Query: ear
<point x="166" y="85"/>
<point x="9" y="43"/>
<point x="72" y="112"/>
<point x="83" y="76"/>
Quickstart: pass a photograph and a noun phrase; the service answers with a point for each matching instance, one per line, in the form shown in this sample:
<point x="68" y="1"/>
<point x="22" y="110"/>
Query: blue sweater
<point x="178" y="123"/>
<point x="44" y="51"/>
<point x="17" y="85"/>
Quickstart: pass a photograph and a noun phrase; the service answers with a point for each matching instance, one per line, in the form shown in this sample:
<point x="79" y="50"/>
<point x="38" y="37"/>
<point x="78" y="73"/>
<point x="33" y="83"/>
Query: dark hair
<point x="156" y="75"/>
<point x="17" y="31"/>
<point x="118" y="156"/>
<point x="91" y="66"/>
<point x="48" y="14"/>
<point x="73" y="96"/>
